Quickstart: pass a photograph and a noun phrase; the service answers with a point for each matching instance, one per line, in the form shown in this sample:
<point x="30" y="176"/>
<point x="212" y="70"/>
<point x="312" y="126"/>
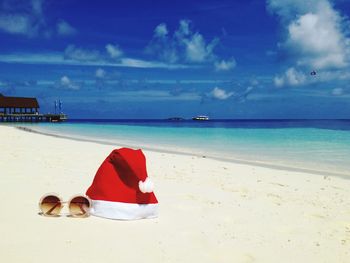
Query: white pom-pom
<point x="147" y="186"/>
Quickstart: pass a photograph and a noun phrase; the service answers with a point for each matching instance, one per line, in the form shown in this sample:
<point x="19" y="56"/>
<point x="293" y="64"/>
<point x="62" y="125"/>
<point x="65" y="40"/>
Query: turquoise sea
<point x="319" y="145"/>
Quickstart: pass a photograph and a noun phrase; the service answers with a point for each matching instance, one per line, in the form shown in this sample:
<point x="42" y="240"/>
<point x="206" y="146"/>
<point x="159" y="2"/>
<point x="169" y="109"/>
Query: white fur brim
<point x="123" y="211"/>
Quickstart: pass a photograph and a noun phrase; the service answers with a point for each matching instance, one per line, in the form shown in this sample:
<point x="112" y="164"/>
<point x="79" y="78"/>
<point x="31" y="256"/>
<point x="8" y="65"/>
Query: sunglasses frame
<point x="62" y="205"/>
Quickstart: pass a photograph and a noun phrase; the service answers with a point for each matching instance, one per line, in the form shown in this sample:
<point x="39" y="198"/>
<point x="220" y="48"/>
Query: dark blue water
<point x="255" y="124"/>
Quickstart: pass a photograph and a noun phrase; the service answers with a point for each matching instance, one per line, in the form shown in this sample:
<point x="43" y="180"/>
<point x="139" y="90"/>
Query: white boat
<point x="201" y="118"/>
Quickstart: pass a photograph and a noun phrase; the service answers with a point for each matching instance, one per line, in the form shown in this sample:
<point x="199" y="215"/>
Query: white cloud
<point x="288" y="9"/>
<point x="161" y="30"/>
<point x="337" y="91"/>
<point x="184" y="45"/>
<point x="220" y="94"/>
<point x="254" y="82"/>
<point x="184" y="28"/>
<point x="318" y="40"/>
<point x="194" y="44"/>
<point x="225" y="65"/>
<point x="100" y="73"/>
<point x="22" y="17"/>
<point x="114" y="51"/>
<point x="152" y="95"/>
<point x="37" y="6"/>
<point x="27" y="18"/>
<point x="291" y="77"/>
<point x="315" y="33"/>
<point x="163" y="46"/>
<point x="197" y="50"/>
<point x="304" y="77"/>
<point x="34" y="7"/>
<point x="65" y="82"/>
<point x="278" y="81"/>
<point x="65" y="29"/>
<point x="138" y="63"/>
<point x="74" y="53"/>
<point x="84" y="57"/>
<point x="16" y="24"/>
<point x="294" y="77"/>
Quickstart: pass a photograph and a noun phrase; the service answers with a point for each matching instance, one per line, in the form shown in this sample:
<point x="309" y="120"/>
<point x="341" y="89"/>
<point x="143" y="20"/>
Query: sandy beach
<point x="210" y="210"/>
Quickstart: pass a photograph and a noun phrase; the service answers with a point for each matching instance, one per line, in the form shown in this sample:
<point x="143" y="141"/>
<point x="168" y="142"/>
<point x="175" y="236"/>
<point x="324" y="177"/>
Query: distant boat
<point x="201" y="118"/>
<point x="175" y="119"/>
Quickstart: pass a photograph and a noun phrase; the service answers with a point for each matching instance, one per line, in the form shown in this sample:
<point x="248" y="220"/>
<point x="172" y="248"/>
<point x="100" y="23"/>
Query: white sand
<point x="211" y="211"/>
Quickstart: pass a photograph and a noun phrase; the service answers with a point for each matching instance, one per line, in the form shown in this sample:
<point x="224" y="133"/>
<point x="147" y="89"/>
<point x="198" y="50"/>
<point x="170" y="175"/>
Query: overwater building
<point x="18" y="105"/>
<point x="19" y="109"/>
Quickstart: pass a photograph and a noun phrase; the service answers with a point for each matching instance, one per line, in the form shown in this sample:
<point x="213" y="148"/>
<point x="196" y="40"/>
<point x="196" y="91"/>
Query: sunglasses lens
<point x="79" y="206"/>
<point x="50" y="205"/>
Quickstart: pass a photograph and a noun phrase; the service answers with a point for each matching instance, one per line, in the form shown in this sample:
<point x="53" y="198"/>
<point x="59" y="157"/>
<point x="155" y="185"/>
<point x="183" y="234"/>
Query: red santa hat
<point x="121" y="188"/>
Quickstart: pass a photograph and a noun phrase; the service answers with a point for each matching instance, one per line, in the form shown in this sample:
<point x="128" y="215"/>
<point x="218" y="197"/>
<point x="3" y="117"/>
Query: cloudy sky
<point x="157" y="59"/>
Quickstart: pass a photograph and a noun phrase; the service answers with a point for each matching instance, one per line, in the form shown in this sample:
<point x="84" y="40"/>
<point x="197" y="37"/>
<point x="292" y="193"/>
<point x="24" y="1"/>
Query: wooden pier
<point x="32" y="117"/>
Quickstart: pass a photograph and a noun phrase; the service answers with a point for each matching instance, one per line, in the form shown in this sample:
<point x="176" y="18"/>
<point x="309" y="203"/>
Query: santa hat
<point x="121" y="188"/>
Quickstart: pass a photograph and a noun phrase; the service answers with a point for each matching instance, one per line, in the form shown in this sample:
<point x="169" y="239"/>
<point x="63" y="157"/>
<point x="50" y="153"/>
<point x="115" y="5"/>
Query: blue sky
<point x="143" y="59"/>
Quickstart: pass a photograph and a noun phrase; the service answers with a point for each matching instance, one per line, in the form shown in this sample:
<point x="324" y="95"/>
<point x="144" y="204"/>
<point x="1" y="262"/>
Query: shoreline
<point x="230" y="160"/>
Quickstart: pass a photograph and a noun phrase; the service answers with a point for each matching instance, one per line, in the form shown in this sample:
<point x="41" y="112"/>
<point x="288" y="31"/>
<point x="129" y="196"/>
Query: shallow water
<point x="316" y="145"/>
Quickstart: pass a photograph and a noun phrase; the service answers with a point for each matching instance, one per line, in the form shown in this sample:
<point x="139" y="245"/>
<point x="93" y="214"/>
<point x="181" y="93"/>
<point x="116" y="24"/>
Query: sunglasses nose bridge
<point x="52" y="204"/>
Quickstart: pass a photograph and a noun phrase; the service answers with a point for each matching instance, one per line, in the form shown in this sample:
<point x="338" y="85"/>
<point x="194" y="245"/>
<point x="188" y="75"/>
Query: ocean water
<point x="319" y="145"/>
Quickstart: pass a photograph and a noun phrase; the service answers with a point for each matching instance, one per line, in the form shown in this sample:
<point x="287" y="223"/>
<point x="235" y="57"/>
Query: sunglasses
<point x="51" y="205"/>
